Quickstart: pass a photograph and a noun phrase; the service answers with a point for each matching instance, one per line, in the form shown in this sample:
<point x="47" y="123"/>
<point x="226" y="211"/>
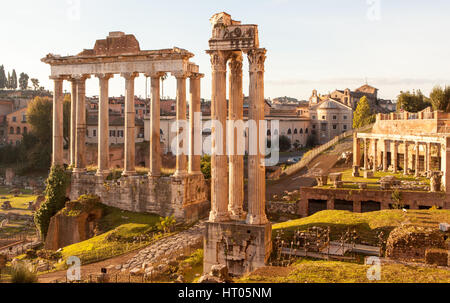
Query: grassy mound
<point x="367" y="225"/>
<point x="123" y="231"/>
<point x="307" y="271"/>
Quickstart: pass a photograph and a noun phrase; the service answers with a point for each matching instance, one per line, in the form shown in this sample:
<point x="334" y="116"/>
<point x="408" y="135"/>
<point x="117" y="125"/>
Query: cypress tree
<point x="2" y="77"/>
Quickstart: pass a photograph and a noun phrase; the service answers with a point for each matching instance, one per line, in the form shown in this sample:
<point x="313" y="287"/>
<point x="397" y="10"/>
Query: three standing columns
<point x="103" y="125"/>
<point x="130" y="116"/>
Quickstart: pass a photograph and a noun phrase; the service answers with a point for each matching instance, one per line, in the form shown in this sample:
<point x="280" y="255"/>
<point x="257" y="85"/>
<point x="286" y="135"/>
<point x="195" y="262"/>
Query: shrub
<point x="49" y="254"/>
<point x="22" y="274"/>
<point x="205" y="166"/>
<point x="57" y="182"/>
<point x="166" y="224"/>
<point x="284" y="143"/>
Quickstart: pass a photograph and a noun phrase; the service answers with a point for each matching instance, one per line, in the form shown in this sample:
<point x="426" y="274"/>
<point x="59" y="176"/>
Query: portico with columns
<point x="182" y="194"/>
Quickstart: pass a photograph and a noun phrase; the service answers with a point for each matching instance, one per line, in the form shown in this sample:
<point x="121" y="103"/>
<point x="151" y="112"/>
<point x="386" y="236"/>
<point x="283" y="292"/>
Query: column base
<point x="78" y="170"/>
<point x="238" y="215"/>
<point x="219" y="217"/>
<point x="241" y="247"/>
<point x="102" y="173"/>
<point x="355" y="172"/>
<point x="256" y="219"/>
<point x="129" y="173"/>
<point x="180" y="173"/>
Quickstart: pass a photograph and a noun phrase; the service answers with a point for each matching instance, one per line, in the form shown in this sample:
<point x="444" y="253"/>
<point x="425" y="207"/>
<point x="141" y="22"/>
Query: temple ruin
<point x="239" y="240"/>
<point x="184" y="193"/>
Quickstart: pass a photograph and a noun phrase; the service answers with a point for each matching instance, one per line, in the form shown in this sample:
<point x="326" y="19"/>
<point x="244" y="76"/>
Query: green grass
<point x="19" y="204"/>
<point x="124" y="226"/>
<point x="308" y="271"/>
<point x="366" y="224"/>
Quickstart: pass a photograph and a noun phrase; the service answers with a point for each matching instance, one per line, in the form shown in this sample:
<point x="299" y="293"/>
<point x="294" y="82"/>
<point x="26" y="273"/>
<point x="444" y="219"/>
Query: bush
<point x="22" y="274"/>
<point x="205" y="166"/>
<point x="49" y="254"/>
<point x="57" y="182"/>
<point x="166" y="224"/>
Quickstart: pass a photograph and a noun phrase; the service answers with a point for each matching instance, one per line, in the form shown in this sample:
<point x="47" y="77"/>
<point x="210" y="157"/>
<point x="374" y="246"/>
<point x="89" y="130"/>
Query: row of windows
<point x="18" y="130"/>
<point x="289" y="131"/>
<point x="24" y="119"/>
<point x="323" y="126"/>
<point x="112" y="133"/>
<point x="334" y="117"/>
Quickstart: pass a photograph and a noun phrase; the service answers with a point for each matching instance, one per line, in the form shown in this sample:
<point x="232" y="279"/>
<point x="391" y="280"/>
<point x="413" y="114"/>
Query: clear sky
<point x="322" y="44"/>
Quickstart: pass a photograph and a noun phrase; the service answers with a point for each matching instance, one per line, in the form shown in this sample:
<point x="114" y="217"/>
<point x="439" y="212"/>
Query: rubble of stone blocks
<point x="6" y="205"/>
<point x="362" y="185"/>
<point x="368" y="174"/>
<point x="217" y="274"/>
<point x="409" y="243"/>
<point x="411" y="185"/>
<point x="437" y="257"/>
<point x="435" y="180"/>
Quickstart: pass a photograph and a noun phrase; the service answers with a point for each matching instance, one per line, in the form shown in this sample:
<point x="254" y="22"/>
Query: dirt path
<point x="304" y="178"/>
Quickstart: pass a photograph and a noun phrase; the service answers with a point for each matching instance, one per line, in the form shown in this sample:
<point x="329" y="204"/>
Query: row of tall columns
<point x="78" y="124"/>
<point x="394" y="154"/>
<point x="227" y="176"/>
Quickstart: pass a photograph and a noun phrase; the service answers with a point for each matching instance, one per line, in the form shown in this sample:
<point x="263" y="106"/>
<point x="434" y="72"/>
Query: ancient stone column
<point x="130" y="116"/>
<point x="395" y="156"/>
<point x="375" y="155"/>
<point x="385" y="157"/>
<point x="427" y="156"/>
<point x="256" y="166"/>
<point x="103" y="125"/>
<point x="181" y="157"/>
<point x="57" y="142"/>
<point x="195" y="125"/>
<point x="366" y="154"/>
<point x="219" y="161"/>
<point x="73" y="121"/>
<point x="356" y="155"/>
<point x="80" y="146"/>
<point x="155" y="145"/>
<point x="236" y="161"/>
<point x="445" y="164"/>
<point x="416" y="169"/>
<point x="405" y="159"/>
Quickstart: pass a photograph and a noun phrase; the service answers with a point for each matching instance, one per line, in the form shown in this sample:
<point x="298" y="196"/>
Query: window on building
<point x="345" y="117"/>
<point x="289" y="131"/>
<point x="161" y="132"/>
<point x="301" y="130"/>
<point x="334" y="117"/>
<point x="306" y="130"/>
<point x="112" y="133"/>
<point x="24" y="118"/>
<point x="18" y="130"/>
<point x="345" y="126"/>
<point x="323" y="117"/>
<point x="94" y="133"/>
<point x="334" y="126"/>
<point x="323" y="126"/>
<point x="14" y="119"/>
<point x="120" y="133"/>
<point x="25" y="130"/>
<point x="314" y="126"/>
<point x="11" y="130"/>
<point x="87" y="132"/>
<point x="295" y="131"/>
<point x="314" y="117"/>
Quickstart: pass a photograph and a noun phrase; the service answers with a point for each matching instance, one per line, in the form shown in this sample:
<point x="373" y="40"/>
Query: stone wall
<point x="183" y="197"/>
<point x="411" y="199"/>
<point x="281" y="208"/>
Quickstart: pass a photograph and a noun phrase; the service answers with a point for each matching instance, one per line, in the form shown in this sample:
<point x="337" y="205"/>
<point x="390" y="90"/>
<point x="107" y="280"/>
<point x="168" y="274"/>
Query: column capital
<point x="256" y="58"/>
<point x="236" y="62"/>
<point x="57" y="78"/>
<point x="181" y="74"/>
<point x="129" y="75"/>
<point x="103" y="76"/>
<point x="194" y="76"/>
<point x="219" y="60"/>
<point x="155" y="74"/>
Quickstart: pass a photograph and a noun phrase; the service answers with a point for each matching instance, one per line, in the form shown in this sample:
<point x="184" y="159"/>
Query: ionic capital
<point x="256" y="58"/>
<point x="129" y="75"/>
<point x="79" y="78"/>
<point x="219" y="60"/>
<point x="57" y="78"/>
<point x="155" y="75"/>
<point x="104" y="76"/>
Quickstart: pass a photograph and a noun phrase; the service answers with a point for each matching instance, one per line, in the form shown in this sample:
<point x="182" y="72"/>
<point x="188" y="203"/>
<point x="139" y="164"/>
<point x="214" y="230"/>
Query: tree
<point x="39" y="115"/>
<point x="363" y="114"/>
<point x="23" y="81"/>
<point x="412" y="102"/>
<point x="284" y="143"/>
<point x="440" y="98"/>
<point x="8" y="81"/>
<point x="35" y="83"/>
<point x="14" y="79"/>
<point x="3" y="78"/>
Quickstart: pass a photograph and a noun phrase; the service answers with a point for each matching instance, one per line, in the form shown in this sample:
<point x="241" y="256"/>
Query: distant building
<point x="17" y="126"/>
